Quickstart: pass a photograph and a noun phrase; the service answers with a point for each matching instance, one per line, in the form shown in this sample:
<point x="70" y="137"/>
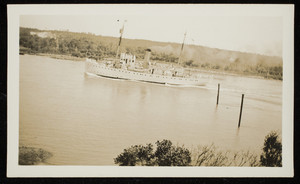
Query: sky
<point x="252" y="33"/>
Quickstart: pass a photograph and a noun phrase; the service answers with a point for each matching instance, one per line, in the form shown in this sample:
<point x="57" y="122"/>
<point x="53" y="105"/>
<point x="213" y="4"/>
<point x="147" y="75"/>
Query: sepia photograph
<point x="165" y="90"/>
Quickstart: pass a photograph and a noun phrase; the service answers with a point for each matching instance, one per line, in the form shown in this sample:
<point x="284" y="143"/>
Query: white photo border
<point x="15" y="170"/>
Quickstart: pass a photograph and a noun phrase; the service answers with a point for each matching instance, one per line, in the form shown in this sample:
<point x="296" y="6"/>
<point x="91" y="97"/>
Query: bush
<point x="165" y="155"/>
<point x="136" y="155"/>
<point x="212" y="156"/>
<point x="32" y="156"/>
<point x="168" y="155"/>
<point x="272" y="151"/>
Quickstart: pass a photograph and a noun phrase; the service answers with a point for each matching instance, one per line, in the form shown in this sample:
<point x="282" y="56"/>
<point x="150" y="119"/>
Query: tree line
<point x="98" y="47"/>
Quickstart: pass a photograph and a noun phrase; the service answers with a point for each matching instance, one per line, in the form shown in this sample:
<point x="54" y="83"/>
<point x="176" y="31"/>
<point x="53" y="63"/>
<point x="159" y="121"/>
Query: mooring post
<point x="241" y="110"/>
<point x="218" y="93"/>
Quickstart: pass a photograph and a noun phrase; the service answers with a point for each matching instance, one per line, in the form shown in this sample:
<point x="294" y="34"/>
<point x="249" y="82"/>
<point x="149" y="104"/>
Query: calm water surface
<point x="86" y="120"/>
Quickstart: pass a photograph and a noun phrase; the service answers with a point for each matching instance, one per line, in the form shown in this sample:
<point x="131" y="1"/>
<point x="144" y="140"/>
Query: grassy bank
<point x="63" y="57"/>
<point x="51" y="55"/>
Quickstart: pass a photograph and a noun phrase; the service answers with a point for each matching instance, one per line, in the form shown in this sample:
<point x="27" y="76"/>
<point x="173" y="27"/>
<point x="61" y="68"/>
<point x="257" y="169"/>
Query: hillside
<point x="98" y="47"/>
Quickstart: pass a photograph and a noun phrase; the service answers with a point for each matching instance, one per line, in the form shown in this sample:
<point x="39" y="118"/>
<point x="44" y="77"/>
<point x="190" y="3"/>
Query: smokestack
<point x="147" y="55"/>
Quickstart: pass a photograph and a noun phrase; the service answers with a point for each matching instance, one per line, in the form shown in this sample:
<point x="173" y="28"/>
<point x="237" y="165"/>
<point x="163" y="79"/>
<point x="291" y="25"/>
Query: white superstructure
<point x="105" y="70"/>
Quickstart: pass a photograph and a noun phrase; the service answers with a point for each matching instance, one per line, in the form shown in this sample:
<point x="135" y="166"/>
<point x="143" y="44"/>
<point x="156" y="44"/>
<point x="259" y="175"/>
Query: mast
<point x="179" y="59"/>
<point x="121" y="34"/>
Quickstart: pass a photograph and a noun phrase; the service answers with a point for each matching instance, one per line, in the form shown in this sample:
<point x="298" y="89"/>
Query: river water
<point x="86" y="120"/>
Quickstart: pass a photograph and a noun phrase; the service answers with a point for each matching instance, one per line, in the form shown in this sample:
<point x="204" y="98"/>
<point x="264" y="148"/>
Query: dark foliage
<point x="136" y="155"/>
<point x="272" y="151"/>
<point x="165" y="155"/>
<point x="169" y="155"/>
<point x="32" y="156"/>
<point x="74" y="44"/>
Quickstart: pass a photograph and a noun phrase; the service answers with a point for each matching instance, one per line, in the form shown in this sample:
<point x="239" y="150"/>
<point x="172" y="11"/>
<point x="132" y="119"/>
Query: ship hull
<point x="109" y="72"/>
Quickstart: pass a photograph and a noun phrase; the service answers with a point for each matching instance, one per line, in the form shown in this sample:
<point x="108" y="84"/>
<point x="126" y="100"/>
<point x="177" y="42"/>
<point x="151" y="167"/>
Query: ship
<point x="127" y="68"/>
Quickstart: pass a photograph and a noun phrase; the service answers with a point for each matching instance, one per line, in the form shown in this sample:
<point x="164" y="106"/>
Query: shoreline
<point x="60" y="56"/>
<point x="212" y="72"/>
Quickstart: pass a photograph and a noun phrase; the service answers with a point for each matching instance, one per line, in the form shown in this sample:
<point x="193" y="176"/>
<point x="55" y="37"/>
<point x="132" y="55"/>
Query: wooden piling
<point x="241" y="110"/>
<point x="218" y="93"/>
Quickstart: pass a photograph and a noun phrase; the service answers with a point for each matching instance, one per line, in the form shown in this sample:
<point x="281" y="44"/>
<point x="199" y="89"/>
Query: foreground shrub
<point x="168" y="155"/>
<point x="212" y="156"/>
<point x="165" y="155"/>
<point x="272" y="151"/>
<point x="136" y="155"/>
<point x="32" y="156"/>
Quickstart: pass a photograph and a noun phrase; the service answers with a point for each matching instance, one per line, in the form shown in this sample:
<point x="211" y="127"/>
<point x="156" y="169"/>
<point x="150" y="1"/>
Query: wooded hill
<point x="34" y="41"/>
